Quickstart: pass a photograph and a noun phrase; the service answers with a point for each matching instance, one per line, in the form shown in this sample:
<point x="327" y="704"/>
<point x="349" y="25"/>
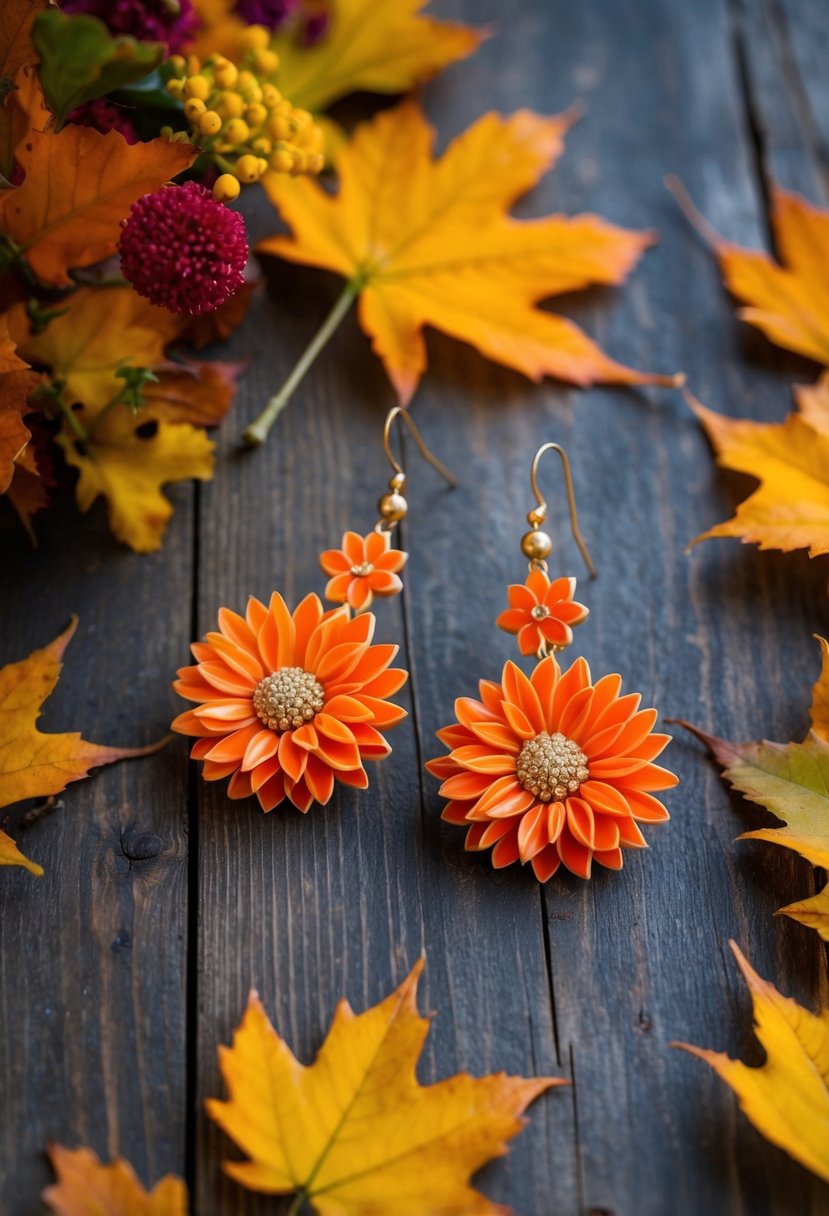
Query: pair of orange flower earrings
<point x="546" y="768"/>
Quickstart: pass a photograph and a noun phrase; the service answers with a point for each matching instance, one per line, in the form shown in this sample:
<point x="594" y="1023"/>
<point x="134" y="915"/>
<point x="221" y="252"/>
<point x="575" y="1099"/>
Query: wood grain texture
<point x="588" y="981"/>
<point x="93" y="962"/>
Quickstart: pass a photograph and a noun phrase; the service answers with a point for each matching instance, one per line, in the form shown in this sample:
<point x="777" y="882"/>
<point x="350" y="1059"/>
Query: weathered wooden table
<point x="163" y="902"/>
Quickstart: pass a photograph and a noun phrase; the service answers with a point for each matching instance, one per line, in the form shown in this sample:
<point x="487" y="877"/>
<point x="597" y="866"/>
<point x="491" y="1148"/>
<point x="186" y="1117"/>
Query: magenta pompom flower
<point x="150" y="20"/>
<point x="183" y="250"/>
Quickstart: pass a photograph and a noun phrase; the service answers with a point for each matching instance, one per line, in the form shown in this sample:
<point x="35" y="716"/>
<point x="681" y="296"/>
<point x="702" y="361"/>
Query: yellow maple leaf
<point x="791" y="780"/>
<point x="33" y="764"/>
<point x="354" y="1133"/>
<point x="813" y="403"/>
<point x="430" y="242"/>
<point x="376" y="46"/>
<point x="126" y="461"/>
<point x="102" y="330"/>
<point x="787" y="1098"/>
<point x="86" y="1187"/>
<point x="10" y="855"/>
<point x="790" y="459"/>
<point x="78" y="187"/>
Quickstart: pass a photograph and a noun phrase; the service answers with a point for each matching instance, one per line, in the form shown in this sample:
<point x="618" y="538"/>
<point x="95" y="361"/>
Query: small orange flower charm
<point x="365" y="566"/>
<point x="542" y="613"/>
<point x="551" y="769"/>
<point x="287" y="703"/>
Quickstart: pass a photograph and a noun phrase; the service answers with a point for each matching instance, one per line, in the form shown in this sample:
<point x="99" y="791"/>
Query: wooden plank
<point x="722" y="638"/>
<point x="92" y="970"/>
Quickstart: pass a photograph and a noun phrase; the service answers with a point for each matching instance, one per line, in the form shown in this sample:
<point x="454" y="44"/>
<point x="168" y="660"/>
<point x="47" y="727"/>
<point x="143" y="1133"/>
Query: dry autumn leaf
<point x="792" y="781"/>
<point x="377" y="46"/>
<point x="16" y="20"/>
<point x="127" y="461"/>
<point x="33" y="764"/>
<point x="86" y="1187"/>
<point x="787" y="300"/>
<point x="354" y="1134"/>
<point x="787" y="1097"/>
<point x="430" y="242"/>
<point x="77" y="188"/>
<point x="790" y="459"/>
<point x="10" y="855"/>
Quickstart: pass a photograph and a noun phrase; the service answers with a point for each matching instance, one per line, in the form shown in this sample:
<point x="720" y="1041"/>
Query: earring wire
<point x="399" y="411"/>
<point x="571" y="499"/>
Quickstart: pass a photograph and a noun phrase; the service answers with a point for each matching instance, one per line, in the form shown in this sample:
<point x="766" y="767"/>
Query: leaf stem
<point x="296" y="1206"/>
<point x="257" y="432"/>
<point x="75" y="424"/>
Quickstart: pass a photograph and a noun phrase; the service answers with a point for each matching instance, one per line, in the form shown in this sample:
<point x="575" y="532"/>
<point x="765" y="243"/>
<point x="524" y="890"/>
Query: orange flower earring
<point x="289" y="703"/>
<point x="550" y="768"/>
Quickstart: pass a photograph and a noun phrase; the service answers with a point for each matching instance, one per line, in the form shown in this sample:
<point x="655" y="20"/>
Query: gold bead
<point x="397" y="482"/>
<point x="536" y="517"/>
<point x="536" y="545"/>
<point x="392" y="507"/>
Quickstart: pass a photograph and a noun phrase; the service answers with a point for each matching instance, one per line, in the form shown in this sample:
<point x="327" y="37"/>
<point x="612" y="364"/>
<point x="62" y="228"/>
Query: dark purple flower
<point x="182" y="250"/>
<point x="104" y="116"/>
<point x="147" y="20"/>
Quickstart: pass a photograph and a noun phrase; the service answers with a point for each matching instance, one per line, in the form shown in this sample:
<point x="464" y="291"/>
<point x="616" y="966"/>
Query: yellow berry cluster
<point x="240" y="117"/>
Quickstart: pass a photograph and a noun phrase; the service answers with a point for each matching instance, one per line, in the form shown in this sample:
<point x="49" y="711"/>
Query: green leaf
<point x="80" y="60"/>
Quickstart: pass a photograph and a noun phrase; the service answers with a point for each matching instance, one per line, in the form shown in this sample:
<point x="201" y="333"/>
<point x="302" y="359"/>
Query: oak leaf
<point x="34" y="764"/>
<point x="791" y="780"/>
<point x="354" y="1133"/>
<point x="786" y="1098"/>
<point x="200" y="393"/>
<point x="86" y="1187"/>
<point x="377" y="46"/>
<point x="790" y="459"/>
<point x="430" y="242"/>
<point x="78" y="186"/>
<point x="127" y="461"/>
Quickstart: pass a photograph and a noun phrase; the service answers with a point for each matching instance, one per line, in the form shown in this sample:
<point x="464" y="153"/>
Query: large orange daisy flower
<point x="550" y="768"/>
<point x="289" y="702"/>
<point x="365" y="566"/>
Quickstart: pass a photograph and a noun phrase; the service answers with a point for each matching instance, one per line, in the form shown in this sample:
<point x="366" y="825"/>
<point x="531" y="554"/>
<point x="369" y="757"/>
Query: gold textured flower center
<point x="287" y="698"/>
<point x="540" y="612"/>
<point x="363" y="569"/>
<point x="551" y="766"/>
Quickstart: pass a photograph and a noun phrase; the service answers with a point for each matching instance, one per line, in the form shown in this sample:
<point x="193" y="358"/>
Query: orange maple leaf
<point x="376" y="46"/>
<point x="16" y="20"/>
<point x="788" y="300"/>
<point x="78" y="186"/>
<point x="430" y="242"/>
<point x="37" y="765"/>
<point x="787" y="1097"/>
<point x="790" y="459"/>
<point x="354" y="1134"/>
<point x="86" y="1187"/>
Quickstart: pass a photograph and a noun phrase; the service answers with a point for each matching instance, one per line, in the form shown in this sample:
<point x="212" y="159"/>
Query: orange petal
<point x="299" y="794"/>
<point x="512" y="619"/>
<point x="374" y="662"/>
<point x="520" y="597"/>
<point x="520" y="692"/>
<point x="456" y="736"/>
<point x="377" y="544"/>
<point x="478" y="758"/>
<point x="334" y="561"/>
<point x="371" y="744"/>
<point x="580" y="821"/>
<point x="474" y="835"/>
<point x="347" y="709"/>
<point x="494" y="734"/>
<point x="574" y="854"/>
<point x="218" y="675"/>
<point x="570" y="612"/>
<point x="277" y="635"/>
<point x="292" y="759"/>
<point x="338" y="662"/>
<point x="556" y="819"/>
<point x="320" y="780"/>
<point x="570" y="682"/>
<point x="211" y="771"/>
<point x="232" y="747"/>
<point x="307" y="615"/>
<point x="556" y="632"/>
<point x="336" y="588"/>
<point x="383" y="712"/>
<point x="263" y="745"/>
<point x="272" y="792"/>
<point x="544" y="678"/>
<point x="505" y="851"/>
<point x="354" y="548"/>
<point x="630" y="835"/>
<point x="607" y="833"/>
<point x="236" y="658"/>
<point x="255" y="614"/>
<point x="263" y="773"/>
<point x="563" y="588"/>
<point x="337" y="755"/>
<point x="227" y="714"/>
<point x="518" y="721"/>
<point x="305" y="736"/>
<point x="394" y="561"/>
<point x="574" y="718"/>
<point x="239" y="786"/>
<point x="645" y="808"/>
<point x="359" y="594"/>
<point x="492" y="832"/>
<point x="611" y="858"/>
<point x="454" y="812"/>
<point x="538" y="583"/>
<point x="651" y="777"/>
<point x="357" y="777"/>
<point x="605" y="692"/>
<point x="604" y="798"/>
<point x="532" y="832"/>
<point x="546" y="863"/>
<point x="385" y="583"/>
<point x="387" y="683"/>
<point x="529" y="638"/>
<point x="443" y="767"/>
<point x="332" y="728"/>
<point x="465" y="785"/>
<point x="187" y="724"/>
<point x="236" y="628"/>
<point x="633" y="733"/>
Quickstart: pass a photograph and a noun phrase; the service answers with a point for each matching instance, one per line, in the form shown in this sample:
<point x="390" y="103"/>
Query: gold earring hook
<point x="399" y="411"/>
<point x="533" y="543"/>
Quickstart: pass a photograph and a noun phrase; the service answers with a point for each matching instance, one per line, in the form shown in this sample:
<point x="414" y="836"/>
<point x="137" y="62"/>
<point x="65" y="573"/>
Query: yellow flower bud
<point x="177" y="64"/>
<point x="246" y="80"/>
<point x="193" y="107"/>
<point x="197" y="86"/>
<point x="316" y="162"/>
<point x="266" y="62"/>
<point x="210" y="123"/>
<point x="175" y="88"/>
<point x="262" y="146"/>
<point x="302" y="119"/>
<point x="256" y="114"/>
<point x="226" y="188"/>
<point x="256" y="37"/>
<point x="232" y="105"/>
<point x="282" y="160"/>
<point x="236" y="131"/>
<point x="271" y="95"/>
<point x="226" y="76"/>
<point x="248" y="168"/>
<point x="280" y="127"/>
